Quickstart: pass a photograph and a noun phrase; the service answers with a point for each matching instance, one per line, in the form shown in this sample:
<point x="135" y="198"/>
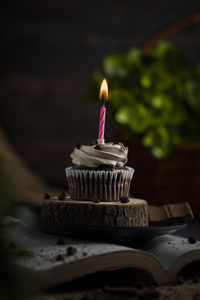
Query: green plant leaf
<point x="154" y="94"/>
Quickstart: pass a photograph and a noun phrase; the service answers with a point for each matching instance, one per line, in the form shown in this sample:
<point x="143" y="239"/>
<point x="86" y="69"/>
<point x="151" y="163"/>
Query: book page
<point x="47" y="256"/>
<point x="43" y="249"/>
<point x="169" y="248"/>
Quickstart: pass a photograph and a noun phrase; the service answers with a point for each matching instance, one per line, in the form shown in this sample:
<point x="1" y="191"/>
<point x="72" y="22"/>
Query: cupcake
<point x="99" y="173"/>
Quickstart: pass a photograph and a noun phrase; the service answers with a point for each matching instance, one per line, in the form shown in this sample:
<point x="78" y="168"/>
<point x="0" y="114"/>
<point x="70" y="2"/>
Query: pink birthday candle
<point x="103" y="98"/>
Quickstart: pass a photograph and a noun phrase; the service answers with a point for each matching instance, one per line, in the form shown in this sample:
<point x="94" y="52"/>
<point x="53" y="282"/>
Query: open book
<point x="51" y="261"/>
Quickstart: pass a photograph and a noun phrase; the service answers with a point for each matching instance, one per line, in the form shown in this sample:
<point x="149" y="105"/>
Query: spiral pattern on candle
<point x="102" y="122"/>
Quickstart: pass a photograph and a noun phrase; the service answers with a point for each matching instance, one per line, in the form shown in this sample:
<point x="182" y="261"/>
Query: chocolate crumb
<point x="191" y="240"/>
<point x="195" y="280"/>
<point x="59" y="257"/>
<point x="124" y="199"/>
<point x="96" y="200"/>
<point x="46" y="196"/>
<point x="71" y="251"/>
<point x="78" y="146"/>
<point x="60" y="241"/>
<point x="98" y="147"/>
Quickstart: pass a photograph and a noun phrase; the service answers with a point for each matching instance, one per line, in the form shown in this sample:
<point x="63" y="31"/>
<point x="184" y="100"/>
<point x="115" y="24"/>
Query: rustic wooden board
<point x="133" y="213"/>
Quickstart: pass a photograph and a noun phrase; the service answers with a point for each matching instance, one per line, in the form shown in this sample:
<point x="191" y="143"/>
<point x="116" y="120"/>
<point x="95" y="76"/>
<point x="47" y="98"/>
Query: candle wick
<point x="103" y="101"/>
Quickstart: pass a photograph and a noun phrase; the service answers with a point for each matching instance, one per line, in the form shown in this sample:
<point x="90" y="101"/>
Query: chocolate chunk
<point x="159" y="215"/>
<point x="195" y="280"/>
<point x="46" y="196"/>
<point x="71" y="251"/>
<point x="59" y="257"/>
<point x="170" y="214"/>
<point x="191" y="240"/>
<point x="98" y="147"/>
<point x="78" y="146"/>
<point x="124" y="199"/>
<point x="181" y="211"/>
<point x="96" y="200"/>
<point x="60" y="241"/>
<point x="62" y="196"/>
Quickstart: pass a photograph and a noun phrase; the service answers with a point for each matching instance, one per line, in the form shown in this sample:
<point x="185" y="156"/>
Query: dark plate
<point x="111" y="234"/>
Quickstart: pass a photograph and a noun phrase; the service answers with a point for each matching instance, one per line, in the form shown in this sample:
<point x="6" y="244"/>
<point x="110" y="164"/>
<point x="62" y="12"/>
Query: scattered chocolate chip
<point x="180" y="280"/>
<point x="169" y="243"/>
<point x="60" y="241"/>
<point x="62" y="196"/>
<point x="64" y="193"/>
<point x="124" y="199"/>
<point x="59" y="257"/>
<point x="84" y="253"/>
<point x="191" y="240"/>
<point x="96" y="200"/>
<point x="46" y="196"/>
<point x="195" y="280"/>
<point x="78" y="146"/>
<point x="98" y="147"/>
<point x="71" y="251"/>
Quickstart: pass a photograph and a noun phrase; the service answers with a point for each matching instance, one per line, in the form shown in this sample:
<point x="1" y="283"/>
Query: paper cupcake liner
<point x="103" y="185"/>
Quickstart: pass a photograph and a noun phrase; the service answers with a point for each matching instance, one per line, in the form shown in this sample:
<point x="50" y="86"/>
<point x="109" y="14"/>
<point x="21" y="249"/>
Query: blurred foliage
<point x="154" y="94"/>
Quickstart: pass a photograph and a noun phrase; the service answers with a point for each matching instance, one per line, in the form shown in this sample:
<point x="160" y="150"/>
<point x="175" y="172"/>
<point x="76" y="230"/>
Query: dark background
<point x="50" y="50"/>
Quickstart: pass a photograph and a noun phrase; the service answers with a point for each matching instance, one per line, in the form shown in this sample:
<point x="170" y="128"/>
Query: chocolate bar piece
<point x="181" y="212"/>
<point x="170" y="214"/>
<point x="159" y="215"/>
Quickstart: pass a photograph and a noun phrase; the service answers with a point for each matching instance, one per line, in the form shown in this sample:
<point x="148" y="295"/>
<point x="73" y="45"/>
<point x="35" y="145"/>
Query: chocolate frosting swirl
<point x="108" y="154"/>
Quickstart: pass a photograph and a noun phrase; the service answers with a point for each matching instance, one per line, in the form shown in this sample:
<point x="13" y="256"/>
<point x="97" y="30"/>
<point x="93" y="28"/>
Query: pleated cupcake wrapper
<point x="103" y="185"/>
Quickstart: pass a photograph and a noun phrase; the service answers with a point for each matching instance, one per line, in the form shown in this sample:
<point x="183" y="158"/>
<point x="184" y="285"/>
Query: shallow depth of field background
<point x="51" y="49"/>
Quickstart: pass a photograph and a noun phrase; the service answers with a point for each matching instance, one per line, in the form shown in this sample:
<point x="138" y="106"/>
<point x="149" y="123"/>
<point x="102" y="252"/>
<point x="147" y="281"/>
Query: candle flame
<point x="104" y="90"/>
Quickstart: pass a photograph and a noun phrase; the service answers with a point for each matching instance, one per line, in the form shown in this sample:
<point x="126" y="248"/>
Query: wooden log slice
<point x="133" y="213"/>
